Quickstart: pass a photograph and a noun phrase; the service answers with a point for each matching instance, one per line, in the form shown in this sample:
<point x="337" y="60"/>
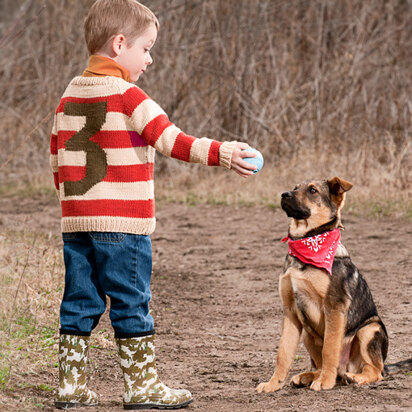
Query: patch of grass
<point x="45" y="387"/>
<point x="192" y="199"/>
<point x="380" y="208"/>
<point x="4" y="376"/>
<point x="26" y="326"/>
<point x="47" y="333"/>
<point x="217" y="202"/>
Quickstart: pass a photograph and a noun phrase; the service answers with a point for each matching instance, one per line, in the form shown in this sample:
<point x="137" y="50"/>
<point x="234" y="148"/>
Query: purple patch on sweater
<point x="136" y="139"/>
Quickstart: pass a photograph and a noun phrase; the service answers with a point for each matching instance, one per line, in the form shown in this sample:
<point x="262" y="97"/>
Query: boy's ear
<point x="118" y="43"/>
<point x="338" y="186"/>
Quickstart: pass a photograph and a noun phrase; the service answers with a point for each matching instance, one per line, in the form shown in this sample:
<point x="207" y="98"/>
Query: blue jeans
<point x="100" y="264"/>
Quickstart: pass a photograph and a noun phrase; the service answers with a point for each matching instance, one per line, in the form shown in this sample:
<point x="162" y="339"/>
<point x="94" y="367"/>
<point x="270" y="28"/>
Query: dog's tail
<point x="404" y="366"/>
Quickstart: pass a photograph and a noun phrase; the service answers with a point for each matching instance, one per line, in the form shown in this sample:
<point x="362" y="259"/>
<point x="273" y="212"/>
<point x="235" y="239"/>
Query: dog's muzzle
<point x="290" y="205"/>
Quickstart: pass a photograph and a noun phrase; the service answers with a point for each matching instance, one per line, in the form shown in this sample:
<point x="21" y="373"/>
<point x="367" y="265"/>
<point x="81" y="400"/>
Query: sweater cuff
<point x="225" y="154"/>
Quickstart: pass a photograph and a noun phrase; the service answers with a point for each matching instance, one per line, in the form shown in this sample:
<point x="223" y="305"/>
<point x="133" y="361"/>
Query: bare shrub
<point x="321" y="84"/>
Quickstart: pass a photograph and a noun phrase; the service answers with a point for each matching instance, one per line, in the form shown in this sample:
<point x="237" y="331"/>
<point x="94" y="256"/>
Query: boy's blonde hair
<point x="106" y="18"/>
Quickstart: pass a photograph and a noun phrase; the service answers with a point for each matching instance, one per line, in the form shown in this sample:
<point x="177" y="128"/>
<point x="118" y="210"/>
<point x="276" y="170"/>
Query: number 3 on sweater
<point x="96" y="159"/>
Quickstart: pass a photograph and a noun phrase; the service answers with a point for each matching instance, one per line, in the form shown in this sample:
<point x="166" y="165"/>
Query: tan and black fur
<point x="334" y="314"/>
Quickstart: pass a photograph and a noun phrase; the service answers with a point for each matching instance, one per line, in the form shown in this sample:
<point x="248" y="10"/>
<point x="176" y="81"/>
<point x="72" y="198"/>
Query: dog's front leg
<point x="335" y="320"/>
<point x="289" y="340"/>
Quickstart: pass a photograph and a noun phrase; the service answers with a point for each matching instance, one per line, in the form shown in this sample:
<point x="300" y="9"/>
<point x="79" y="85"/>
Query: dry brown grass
<point x="313" y="85"/>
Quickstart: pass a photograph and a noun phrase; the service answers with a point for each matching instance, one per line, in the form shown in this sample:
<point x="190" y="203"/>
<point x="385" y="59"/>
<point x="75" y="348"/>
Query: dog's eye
<point x="312" y="190"/>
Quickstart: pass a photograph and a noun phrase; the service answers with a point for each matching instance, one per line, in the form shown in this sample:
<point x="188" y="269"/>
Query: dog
<point x="334" y="313"/>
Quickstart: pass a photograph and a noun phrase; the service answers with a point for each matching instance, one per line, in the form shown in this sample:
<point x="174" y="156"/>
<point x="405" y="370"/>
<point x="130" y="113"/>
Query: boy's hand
<point x="240" y="166"/>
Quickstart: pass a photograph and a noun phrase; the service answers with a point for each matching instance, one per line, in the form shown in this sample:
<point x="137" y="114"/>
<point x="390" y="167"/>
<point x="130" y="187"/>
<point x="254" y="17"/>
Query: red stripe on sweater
<point x="53" y="144"/>
<point x="71" y="173"/>
<point x="132" y="98"/>
<point x="109" y="207"/>
<point x="155" y="128"/>
<point x="114" y="102"/>
<point x="107" y="139"/>
<point x="213" y="156"/>
<point x="182" y="146"/>
<point x="128" y="173"/>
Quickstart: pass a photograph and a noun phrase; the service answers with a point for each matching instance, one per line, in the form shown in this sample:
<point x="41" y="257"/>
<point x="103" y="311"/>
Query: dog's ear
<point x="338" y="186"/>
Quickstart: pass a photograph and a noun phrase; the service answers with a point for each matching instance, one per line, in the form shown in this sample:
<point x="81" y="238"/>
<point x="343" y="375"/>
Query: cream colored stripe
<point x="115" y="157"/>
<point x="69" y="158"/>
<point x="123" y="85"/>
<point x="123" y="157"/>
<point x="54" y="164"/>
<point x="167" y="139"/>
<point x="70" y="122"/>
<point x="114" y="121"/>
<point x="199" y="152"/>
<point x="144" y="113"/>
<point x="116" y="191"/>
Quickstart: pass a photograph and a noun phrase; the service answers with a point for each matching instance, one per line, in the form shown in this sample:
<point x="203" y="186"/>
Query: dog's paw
<point x="357" y="378"/>
<point x="348" y="378"/>
<point x="303" y="379"/>
<point x="323" y="383"/>
<point x="269" y="387"/>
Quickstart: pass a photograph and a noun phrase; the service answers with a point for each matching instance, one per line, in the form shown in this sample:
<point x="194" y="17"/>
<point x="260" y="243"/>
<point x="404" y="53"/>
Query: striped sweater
<point x="105" y="134"/>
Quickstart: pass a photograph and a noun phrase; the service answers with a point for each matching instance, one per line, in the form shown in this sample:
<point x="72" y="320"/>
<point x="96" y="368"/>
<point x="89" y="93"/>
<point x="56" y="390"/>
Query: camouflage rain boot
<point x="142" y="387"/>
<point x="72" y="376"/>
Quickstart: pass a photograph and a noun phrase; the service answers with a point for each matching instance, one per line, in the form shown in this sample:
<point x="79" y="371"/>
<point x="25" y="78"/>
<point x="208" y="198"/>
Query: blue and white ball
<point x="256" y="161"/>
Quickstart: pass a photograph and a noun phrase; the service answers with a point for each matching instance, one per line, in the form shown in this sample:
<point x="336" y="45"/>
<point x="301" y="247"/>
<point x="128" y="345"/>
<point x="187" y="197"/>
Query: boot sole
<point x="140" y="406"/>
<point x="70" y="405"/>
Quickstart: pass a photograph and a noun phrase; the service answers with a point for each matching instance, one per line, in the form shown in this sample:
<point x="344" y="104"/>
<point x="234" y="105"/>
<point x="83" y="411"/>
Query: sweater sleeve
<point x="53" y="155"/>
<point x="153" y="124"/>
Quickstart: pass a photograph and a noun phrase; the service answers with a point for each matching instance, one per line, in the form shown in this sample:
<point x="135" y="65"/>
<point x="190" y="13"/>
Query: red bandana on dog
<point x="317" y="250"/>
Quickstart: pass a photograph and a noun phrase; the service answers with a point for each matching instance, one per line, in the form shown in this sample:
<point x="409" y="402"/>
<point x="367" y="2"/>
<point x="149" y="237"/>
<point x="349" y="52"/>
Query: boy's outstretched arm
<point x="154" y="126"/>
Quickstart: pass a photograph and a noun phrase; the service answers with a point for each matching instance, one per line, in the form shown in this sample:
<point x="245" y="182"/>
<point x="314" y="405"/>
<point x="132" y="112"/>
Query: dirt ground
<point x="217" y="310"/>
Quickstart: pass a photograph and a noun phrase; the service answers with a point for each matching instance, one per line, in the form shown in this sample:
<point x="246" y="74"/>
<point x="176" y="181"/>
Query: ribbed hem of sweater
<point x="137" y="226"/>
<point x="225" y="154"/>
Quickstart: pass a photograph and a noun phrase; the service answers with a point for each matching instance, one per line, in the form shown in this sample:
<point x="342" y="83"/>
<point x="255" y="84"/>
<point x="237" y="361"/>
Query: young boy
<point x="105" y="134"/>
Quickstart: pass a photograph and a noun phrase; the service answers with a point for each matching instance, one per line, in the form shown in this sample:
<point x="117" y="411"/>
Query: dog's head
<point x="315" y="205"/>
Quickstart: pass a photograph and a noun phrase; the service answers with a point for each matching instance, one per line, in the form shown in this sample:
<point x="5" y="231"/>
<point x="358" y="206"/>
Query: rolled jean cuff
<point x="74" y="332"/>
<point x="119" y="335"/>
